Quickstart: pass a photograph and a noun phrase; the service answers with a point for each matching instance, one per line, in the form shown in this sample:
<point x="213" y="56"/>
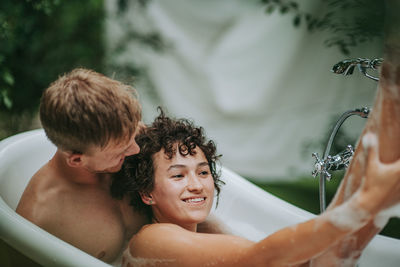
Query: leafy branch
<point x="12" y="32"/>
<point x="349" y="22"/>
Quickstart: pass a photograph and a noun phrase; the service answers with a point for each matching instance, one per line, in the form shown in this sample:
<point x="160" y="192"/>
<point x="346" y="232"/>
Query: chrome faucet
<point x="347" y="66"/>
<point x="342" y="160"/>
<point x="332" y="163"/>
<point x="337" y="162"/>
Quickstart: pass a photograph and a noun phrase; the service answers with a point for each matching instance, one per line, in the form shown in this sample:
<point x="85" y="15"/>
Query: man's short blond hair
<point x="84" y="108"/>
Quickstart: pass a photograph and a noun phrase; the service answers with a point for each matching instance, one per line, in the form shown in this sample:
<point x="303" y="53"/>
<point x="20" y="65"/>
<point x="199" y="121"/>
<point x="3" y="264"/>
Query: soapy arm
<point x="171" y="245"/>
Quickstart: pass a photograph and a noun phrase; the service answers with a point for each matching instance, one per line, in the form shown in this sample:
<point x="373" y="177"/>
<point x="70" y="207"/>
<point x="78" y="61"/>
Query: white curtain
<point x="260" y="87"/>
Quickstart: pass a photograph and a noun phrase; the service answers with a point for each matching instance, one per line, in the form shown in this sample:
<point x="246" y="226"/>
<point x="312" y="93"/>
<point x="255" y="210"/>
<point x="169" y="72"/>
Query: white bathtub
<point x="247" y="210"/>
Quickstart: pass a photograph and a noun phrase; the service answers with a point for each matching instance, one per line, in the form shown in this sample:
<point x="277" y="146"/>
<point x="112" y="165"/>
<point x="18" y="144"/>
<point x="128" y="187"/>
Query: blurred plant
<point x="131" y="71"/>
<point x="11" y="30"/>
<point x="348" y="22"/>
<point x="133" y="34"/>
<point x="39" y="40"/>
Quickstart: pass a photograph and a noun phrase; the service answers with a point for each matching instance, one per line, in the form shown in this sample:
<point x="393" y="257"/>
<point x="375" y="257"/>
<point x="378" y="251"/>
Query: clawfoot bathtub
<point x="247" y="210"/>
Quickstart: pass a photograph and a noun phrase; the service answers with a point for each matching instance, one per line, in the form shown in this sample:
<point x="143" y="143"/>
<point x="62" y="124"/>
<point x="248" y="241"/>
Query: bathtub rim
<point x="24" y="236"/>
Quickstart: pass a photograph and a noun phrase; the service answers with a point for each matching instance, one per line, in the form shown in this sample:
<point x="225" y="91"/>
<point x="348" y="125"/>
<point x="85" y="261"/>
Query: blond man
<point x="92" y="120"/>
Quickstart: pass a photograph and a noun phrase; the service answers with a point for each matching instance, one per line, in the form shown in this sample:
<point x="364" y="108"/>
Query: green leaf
<point x="6" y="100"/>
<point x="270" y="9"/>
<point x="297" y="20"/>
<point x="284" y="9"/>
<point x="294" y="5"/>
<point x="8" y="78"/>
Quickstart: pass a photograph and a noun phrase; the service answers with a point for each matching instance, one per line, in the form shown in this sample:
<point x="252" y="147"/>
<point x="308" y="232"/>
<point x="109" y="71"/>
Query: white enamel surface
<point x="247" y="210"/>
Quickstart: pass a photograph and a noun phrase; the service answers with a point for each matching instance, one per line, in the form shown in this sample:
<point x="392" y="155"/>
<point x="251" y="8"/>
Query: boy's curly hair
<point x="137" y="173"/>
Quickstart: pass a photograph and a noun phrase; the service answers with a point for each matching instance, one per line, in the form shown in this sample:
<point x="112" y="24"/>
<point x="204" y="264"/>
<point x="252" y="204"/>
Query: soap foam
<point x="383" y="217"/>
<point x="369" y="140"/>
<point x="347" y="216"/>
<point x="351" y="261"/>
<point x="138" y="262"/>
<point x="348" y="189"/>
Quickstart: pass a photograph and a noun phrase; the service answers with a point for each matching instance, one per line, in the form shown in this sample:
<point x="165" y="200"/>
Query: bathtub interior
<point x="247" y="210"/>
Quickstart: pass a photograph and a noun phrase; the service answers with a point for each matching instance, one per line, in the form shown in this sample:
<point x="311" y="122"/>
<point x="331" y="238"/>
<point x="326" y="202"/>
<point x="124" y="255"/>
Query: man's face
<point x="183" y="188"/>
<point x="111" y="158"/>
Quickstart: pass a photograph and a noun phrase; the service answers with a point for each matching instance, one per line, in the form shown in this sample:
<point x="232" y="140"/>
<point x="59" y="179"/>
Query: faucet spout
<point x="347" y="66"/>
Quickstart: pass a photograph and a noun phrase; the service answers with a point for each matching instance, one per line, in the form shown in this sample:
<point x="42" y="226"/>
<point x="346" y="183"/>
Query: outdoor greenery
<point x="304" y="193"/>
<point x="39" y="40"/>
<point x="348" y="22"/>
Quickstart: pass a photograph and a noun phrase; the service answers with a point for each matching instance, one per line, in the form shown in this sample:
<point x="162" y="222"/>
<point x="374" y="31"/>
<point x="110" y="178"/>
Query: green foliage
<point x="39" y="40"/>
<point x="151" y="39"/>
<point x="132" y="71"/>
<point x="304" y="193"/>
<point x="348" y="22"/>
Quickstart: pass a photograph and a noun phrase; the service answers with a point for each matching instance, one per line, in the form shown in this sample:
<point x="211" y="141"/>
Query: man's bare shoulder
<point x="34" y="194"/>
<point x="85" y="216"/>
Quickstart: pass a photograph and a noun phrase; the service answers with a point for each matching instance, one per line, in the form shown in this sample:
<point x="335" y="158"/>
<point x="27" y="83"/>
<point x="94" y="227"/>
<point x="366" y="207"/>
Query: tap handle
<point x="320" y="167"/>
<point x="332" y="163"/>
